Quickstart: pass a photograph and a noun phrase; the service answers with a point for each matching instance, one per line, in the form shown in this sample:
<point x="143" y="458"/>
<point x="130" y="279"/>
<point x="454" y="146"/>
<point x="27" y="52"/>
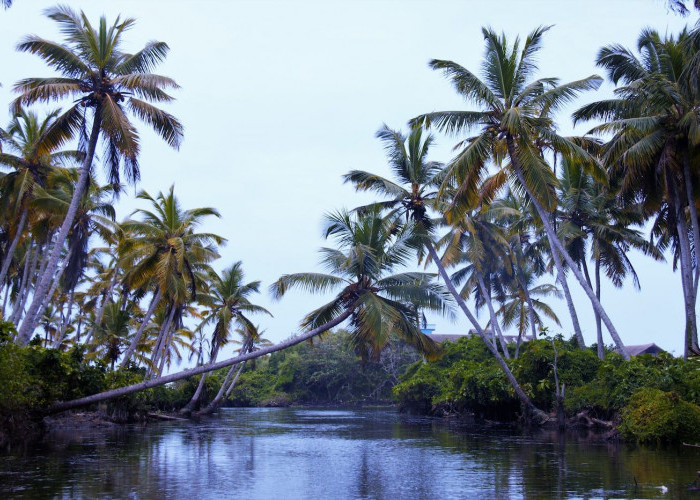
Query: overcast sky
<point x="279" y="99"/>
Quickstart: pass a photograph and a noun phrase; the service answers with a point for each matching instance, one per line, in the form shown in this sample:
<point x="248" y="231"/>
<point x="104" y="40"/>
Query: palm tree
<point x="32" y="158"/>
<point x="593" y="218"/>
<point x="98" y="76"/>
<point x="162" y="253"/>
<point x="371" y="246"/>
<point x="111" y="334"/>
<point x="514" y="122"/>
<point x="228" y="306"/>
<point x="411" y="197"/>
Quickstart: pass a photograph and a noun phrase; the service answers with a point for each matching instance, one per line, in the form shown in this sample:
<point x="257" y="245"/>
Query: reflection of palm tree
<point x="99" y="76"/>
<point x="515" y="122"/>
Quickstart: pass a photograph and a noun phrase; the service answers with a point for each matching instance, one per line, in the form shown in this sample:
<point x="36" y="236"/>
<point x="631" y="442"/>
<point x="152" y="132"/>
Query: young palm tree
<point x="162" y="253"/>
<point x="515" y="122"/>
<point x="97" y="76"/>
<point x="655" y="143"/>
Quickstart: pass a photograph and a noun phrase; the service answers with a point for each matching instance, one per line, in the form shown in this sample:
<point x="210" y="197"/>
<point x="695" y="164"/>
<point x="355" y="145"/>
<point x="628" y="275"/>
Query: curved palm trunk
<point x="29" y="323"/>
<point x="161" y="344"/>
<point x="9" y="255"/>
<point x="52" y="290"/>
<point x="147" y="384"/>
<point x="561" y="278"/>
<point x="529" y="408"/>
<point x="494" y="320"/>
<point x="557" y="245"/>
<point x="137" y="337"/>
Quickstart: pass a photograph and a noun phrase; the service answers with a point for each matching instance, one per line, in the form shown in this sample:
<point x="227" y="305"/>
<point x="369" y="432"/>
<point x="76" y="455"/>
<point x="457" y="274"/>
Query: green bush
<point x="652" y="415"/>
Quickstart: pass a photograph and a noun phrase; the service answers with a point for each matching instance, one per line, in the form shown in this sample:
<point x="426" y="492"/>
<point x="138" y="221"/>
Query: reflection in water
<point x="303" y="453"/>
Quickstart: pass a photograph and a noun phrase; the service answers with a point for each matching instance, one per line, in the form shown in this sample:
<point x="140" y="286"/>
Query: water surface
<point x="282" y="453"/>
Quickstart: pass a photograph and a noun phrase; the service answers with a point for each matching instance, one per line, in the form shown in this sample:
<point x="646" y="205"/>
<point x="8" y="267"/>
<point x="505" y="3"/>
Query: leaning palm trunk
<point x="161" y="343"/>
<point x="137" y="337"/>
<point x="10" y="254"/>
<point x="494" y="320"/>
<point x="29" y="323"/>
<point x="557" y="246"/>
<point x="528" y="300"/>
<point x="65" y="322"/>
<point x="52" y="290"/>
<point x="173" y="377"/>
<point x="106" y="297"/>
<point x="226" y="387"/>
<point x="200" y="387"/>
<point x="528" y="406"/>
<point x="30" y="261"/>
<point x="561" y="278"/>
<point x="598" y="325"/>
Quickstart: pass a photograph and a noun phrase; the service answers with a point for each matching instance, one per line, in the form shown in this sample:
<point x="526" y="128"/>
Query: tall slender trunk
<point x="162" y="341"/>
<point x="557" y="245"/>
<point x="173" y="377"/>
<point x="65" y="322"/>
<point x="561" y="278"/>
<point x="523" y="285"/>
<point x="30" y="260"/>
<point x="137" y="337"/>
<point x="598" y="324"/>
<point x="9" y="255"/>
<point x="52" y="290"/>
<point x="106" y="296"/>
<point x="692" y="208"/>
<point x="528" y="406"/>
<point x="494" y="320"/>
<point x="29" y="323"/>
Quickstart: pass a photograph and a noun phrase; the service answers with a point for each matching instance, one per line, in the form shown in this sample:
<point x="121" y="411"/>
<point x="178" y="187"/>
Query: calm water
<point x="329" y="454"/>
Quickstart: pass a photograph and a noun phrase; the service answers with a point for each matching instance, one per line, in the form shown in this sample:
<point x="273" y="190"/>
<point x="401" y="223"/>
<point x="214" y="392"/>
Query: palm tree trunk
<point x="561" y="278"/>
<point x="29" y="323"/>
<point x="598" y="325"/>
<point x="173" y="377"/>
<point x="30" y="260"/>
<point x="65" y="322"/>
<point x="692" y="208"/>
<point x="9" y="255"/>
<point x="52" y="290"/>
<point x="528" y="299"/>
<point x="200" y="387"/>
<point x="494" y="320"/>
<point x="161" y="342"/>
<point x="528" y="407"/>
<point x="557" y="245"/>
<point x="137" y="337"/>
<point x="105" y="298"/>
<point x="225" y="390"/>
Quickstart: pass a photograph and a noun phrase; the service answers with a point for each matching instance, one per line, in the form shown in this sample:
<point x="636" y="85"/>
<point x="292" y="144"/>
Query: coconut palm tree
<point x="410" y="196"/>
<point x="228" y="304"/>
<point x="381" y="305"/>
<point x="515" y="126"/>
<point x="96" y="76"/>
<point x="26" y="150"/>
<point x="655" y="144"/>
<point x="163" y="253"/>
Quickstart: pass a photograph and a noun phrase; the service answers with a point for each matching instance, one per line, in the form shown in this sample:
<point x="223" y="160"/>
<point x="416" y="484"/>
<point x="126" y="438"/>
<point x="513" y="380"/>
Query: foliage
<point x="328" y="371"/>
<point x="657" y="416"/>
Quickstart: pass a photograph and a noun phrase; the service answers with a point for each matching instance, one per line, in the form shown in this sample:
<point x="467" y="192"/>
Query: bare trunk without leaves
<point x="557" y="245"/>
<point x="52" y="290"/>
<point x="30" y="262"/>
<point x="10" y="254"/>
<point x="173" y="377"/>
<point x="139" y="333"/>
<point x="494" y="320"/>
<point x="29" y="323"/>
<point x="692" y="208"/>
<point x="162" y="343"/>
<point x="529" y="408"/>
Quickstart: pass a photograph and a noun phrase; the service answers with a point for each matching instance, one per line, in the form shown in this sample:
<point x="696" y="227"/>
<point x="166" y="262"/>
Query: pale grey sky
<point x="280" y="98"/>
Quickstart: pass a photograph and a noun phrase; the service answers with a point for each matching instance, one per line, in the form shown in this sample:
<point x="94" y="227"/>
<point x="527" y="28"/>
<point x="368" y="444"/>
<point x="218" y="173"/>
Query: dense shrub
<point x="652" y="415"/>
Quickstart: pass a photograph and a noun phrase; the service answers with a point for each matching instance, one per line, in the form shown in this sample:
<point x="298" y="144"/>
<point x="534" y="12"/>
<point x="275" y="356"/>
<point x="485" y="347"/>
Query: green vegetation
<point x="653" y="415"/>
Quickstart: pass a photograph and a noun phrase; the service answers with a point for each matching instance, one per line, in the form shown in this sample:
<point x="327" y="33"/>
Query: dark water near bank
<point x="331" y="454"/>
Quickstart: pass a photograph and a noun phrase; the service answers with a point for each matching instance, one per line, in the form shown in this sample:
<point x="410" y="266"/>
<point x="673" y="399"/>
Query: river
<point x="287" y="453"/>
